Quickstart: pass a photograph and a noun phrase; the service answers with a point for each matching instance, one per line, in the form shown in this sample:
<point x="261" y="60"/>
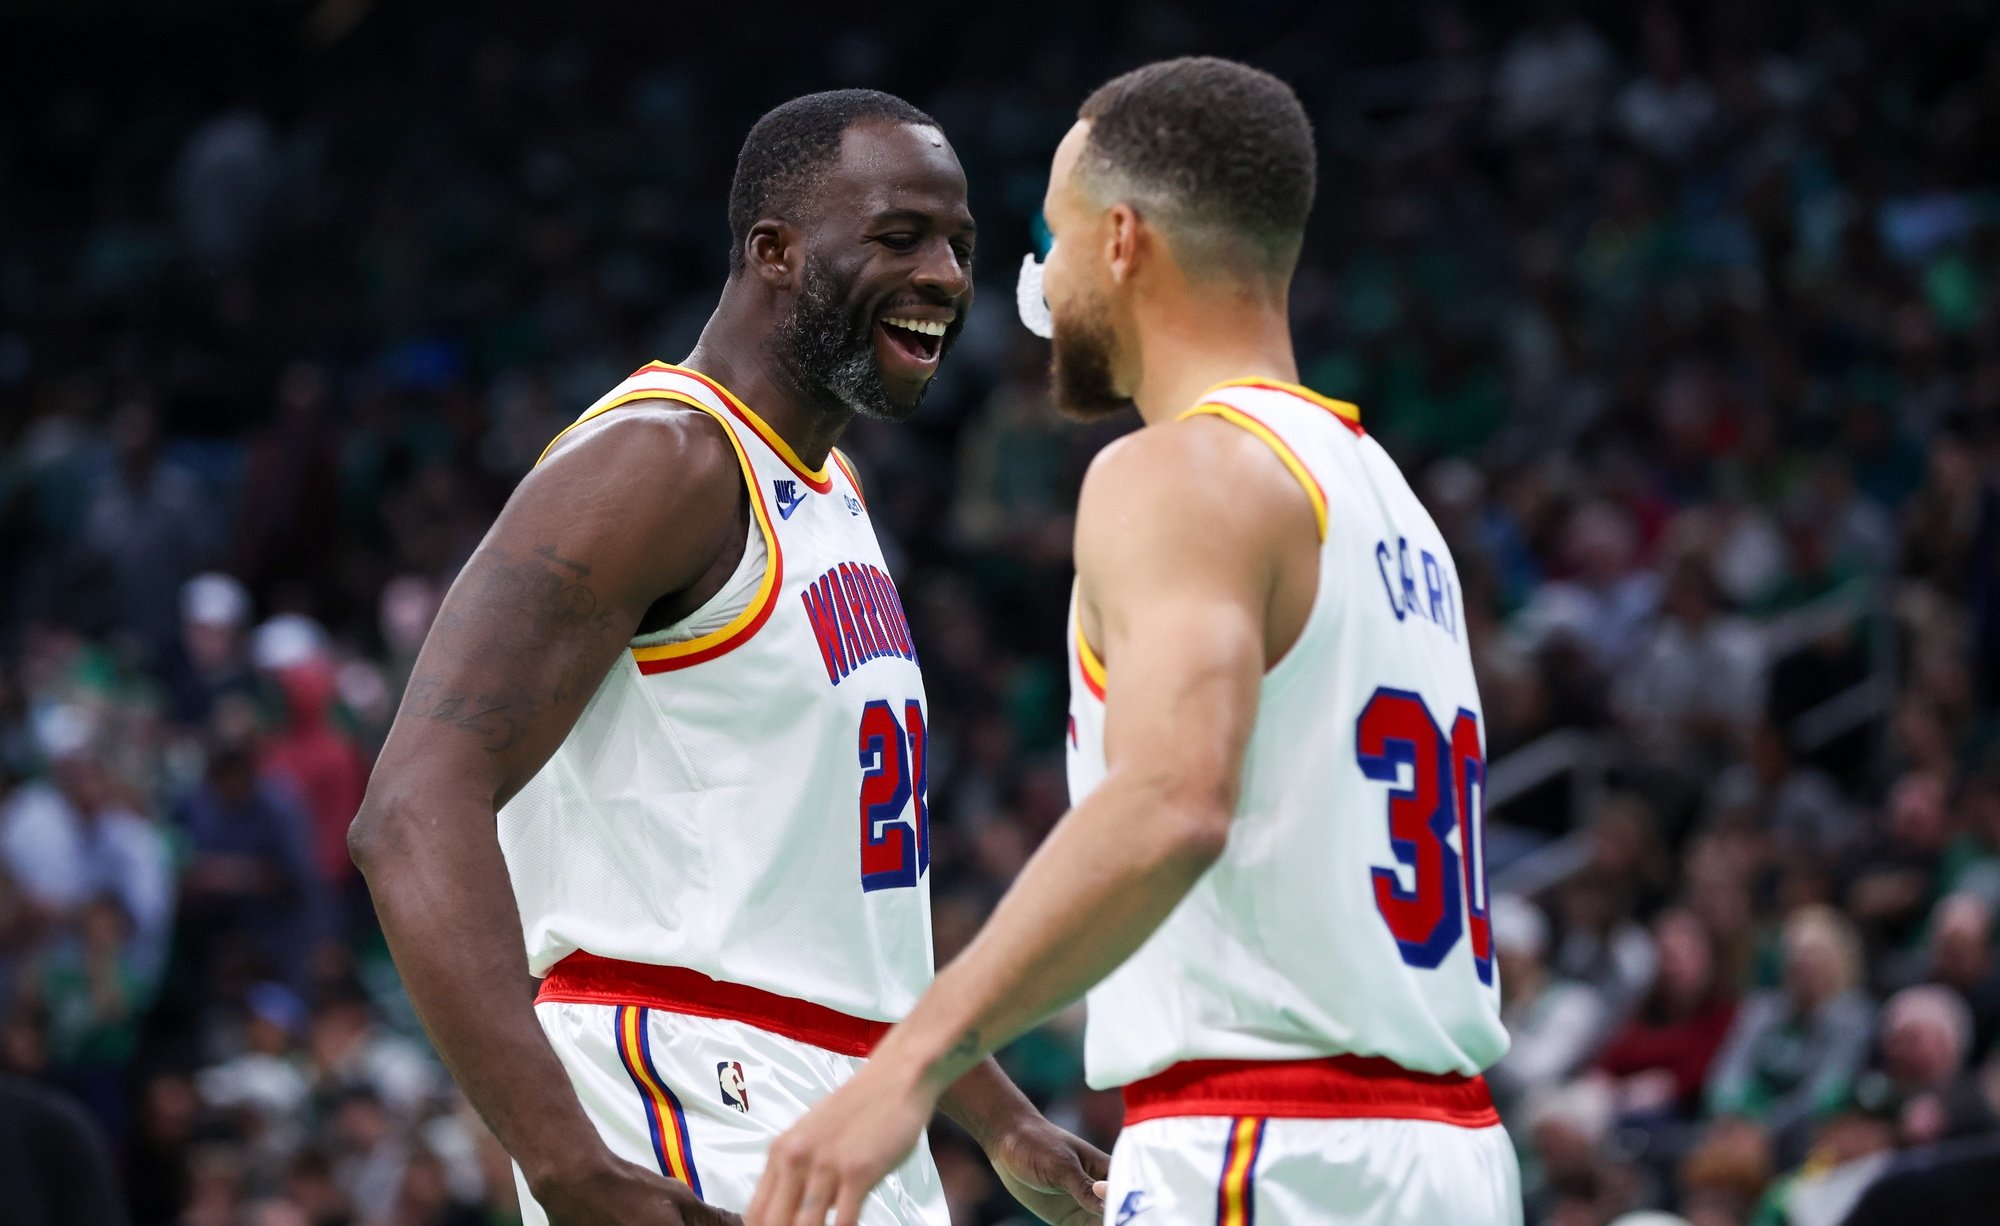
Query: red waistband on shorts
<point x="1333" y="1087"/>
<point x="585" y="978"/>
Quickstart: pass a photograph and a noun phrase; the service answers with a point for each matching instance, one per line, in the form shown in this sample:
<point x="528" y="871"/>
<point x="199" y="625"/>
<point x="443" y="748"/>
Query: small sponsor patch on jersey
<point x="789" y="497"/>
<point x="853" y="504"/>
<point x="735" y="1091"/>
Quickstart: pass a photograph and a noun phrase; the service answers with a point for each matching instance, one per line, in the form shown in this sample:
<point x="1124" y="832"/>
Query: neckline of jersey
<point x="1349" y="413"/>
<point x="821" y="479"/>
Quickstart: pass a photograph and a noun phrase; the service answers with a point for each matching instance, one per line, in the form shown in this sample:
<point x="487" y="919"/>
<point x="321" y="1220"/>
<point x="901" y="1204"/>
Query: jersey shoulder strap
<point x="656" y="381"/>
<point x="1266" y="409"/>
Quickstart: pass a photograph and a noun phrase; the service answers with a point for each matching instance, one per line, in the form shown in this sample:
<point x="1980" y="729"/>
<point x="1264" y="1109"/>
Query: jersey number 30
<point x="895" y="776"/>
<point x="1446" y="788"/>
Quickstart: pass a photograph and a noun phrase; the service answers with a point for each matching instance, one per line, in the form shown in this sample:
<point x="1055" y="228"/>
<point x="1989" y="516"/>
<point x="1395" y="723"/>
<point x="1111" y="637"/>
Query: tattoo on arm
<point x="534" y="608"/>
<point x="968" y="1051"/>
<point x="549" y="552"/>
<point x="499" y="719"/>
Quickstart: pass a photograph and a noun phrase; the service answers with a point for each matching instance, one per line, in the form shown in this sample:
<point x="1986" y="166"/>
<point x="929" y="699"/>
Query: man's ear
<point x="1122" y="240"/>
<point x="774" y="252"/>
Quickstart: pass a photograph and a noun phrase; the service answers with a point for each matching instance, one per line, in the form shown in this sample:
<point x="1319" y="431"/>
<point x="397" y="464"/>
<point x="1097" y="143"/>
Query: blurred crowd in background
<point x="1684" y="319"/>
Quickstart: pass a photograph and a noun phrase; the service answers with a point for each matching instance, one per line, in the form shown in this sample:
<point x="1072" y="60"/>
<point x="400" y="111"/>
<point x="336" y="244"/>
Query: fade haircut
<point x="1216" y="153"/>
<point x="790" y="152"/>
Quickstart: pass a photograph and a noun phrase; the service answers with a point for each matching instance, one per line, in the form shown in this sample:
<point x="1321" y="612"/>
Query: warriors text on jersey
<point x="743" y="799"/>
<point x="1348" y="915"/>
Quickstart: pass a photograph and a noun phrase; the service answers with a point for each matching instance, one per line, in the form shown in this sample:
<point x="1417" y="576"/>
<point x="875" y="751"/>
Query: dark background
<point x="1683" y="318"/>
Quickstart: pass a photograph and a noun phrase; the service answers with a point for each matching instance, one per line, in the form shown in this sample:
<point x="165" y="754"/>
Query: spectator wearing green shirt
<point x="95" y="999"/>
<point x="1795" y="1050"/>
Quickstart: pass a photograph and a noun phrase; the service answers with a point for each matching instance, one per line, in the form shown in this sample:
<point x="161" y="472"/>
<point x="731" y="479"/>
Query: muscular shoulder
<point x="650" y="493"/>
<point x="646" y="441"/>
<point x="646" y="460"/>
<point x="1198" y="485"/>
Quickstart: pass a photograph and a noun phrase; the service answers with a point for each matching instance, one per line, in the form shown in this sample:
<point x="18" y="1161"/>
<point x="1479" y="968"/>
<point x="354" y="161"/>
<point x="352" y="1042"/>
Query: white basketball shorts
<point x="1261" y="1171"/>
<point x="1340" y="1139"/>
<point x="700" y="1100"/>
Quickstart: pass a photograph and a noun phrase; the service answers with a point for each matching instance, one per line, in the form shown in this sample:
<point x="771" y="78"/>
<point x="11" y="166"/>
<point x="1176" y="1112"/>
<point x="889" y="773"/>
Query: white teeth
<point x="929" y="327"/>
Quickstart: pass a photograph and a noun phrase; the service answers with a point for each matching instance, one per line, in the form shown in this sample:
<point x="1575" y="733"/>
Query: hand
<point x="834" y="1157"/>
<point x="619" y="1193"/>
<point x="1059" y="1178"/>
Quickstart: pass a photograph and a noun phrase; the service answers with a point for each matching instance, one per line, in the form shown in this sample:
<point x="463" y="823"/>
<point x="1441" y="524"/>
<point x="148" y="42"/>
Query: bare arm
<point x="1179" y="535"/>
<point x="620" y="516"/>
<point x="1179" y="540"/>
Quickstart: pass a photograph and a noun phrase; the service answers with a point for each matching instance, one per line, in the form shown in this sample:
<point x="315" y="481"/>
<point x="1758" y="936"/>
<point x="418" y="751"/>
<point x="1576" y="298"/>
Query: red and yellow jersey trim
<point x="1235" y="1200"/>
<point x="1237" y="417"/>
<point x="1347" y="413"/>
<point x="847" y="467"/>
<point x="598" y="411"/>
<point x="665" y="1120"/>
<point x="667" y="657"/>
<point x="819" y="479"/>
<point x="1087" y="660"/>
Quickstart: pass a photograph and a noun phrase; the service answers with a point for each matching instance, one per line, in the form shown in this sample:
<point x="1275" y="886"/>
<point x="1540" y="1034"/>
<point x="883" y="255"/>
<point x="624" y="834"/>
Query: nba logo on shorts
<point x="735" y="1091"/>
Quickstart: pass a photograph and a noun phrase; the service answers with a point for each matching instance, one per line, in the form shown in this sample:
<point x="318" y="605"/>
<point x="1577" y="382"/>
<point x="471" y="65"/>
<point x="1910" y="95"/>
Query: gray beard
<point x="831" y="355"/>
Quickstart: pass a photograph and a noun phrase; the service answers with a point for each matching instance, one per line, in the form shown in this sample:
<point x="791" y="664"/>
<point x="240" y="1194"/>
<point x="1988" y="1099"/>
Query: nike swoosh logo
<point x="785" y="509"/>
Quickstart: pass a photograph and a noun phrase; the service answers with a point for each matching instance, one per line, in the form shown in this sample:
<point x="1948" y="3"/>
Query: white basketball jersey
<point x="1348" y="913"/>
<point x="749" y="803"/>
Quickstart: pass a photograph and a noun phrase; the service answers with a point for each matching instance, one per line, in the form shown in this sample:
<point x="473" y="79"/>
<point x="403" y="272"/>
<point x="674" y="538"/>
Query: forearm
<point x="985" y="1102"/>
<point x="447" y="910"/>
<point x="1103" y="881"/>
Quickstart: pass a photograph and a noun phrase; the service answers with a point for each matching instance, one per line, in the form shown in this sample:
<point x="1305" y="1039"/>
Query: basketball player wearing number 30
<point x="1272" y="882"/>
<point x="673" y="702"/>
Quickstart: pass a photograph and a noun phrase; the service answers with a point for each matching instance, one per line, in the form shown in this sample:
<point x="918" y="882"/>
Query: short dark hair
<point x="788" y="153"/>
<point x="1219" y="153"/>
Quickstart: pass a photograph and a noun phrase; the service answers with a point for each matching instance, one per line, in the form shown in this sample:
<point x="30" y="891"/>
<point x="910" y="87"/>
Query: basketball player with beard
<point x="666" y="747"/>
<point x="1271" y="883"/>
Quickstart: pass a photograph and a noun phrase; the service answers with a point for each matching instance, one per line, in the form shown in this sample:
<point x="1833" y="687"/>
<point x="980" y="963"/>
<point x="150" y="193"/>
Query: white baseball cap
<point x="214" y="599"/>
<point x="287" y="641"/>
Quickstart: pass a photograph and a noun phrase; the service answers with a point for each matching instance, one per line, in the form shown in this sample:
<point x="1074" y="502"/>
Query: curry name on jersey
<point x="1348" y="914"/>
